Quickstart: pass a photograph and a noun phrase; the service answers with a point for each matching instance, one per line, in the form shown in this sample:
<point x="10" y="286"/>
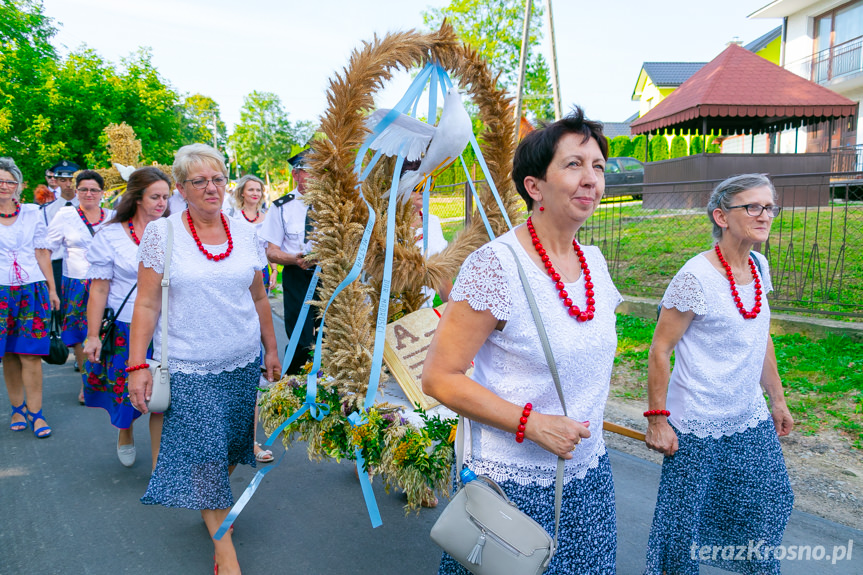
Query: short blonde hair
<point x="241" y="186"/>
<point x="196" y="155"/>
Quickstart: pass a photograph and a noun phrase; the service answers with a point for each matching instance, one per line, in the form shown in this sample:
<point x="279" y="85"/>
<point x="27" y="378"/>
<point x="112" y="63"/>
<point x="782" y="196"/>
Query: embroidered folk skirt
<point x="25" y="312"/>
<point x="74" y="308"/>
<point x="587" y="538"/>
<point x="721" y="502"/>
<point x="105" y="386"/>
<point x="208" y="428"/>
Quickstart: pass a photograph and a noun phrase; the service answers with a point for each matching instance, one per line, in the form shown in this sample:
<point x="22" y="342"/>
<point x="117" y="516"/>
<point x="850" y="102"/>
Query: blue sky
<point x="226" y="49"/>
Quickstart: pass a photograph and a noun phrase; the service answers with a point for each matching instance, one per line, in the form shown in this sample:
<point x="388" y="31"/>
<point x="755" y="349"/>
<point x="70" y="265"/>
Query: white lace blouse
<point x="212" y="322"/>
<point x="68" y="230"/>
<point x="715" y="386"/>
<point x="512" y="364"/>
<point x="114" y="256"/>
<point x="18" y="244"/>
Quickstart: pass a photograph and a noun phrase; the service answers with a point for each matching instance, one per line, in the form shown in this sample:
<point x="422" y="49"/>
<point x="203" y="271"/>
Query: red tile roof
<point x="739" y="84"/>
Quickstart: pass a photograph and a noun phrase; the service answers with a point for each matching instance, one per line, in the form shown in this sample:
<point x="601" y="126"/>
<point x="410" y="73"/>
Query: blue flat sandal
<point x="22" y="411"/>
<point x="42" y="432"/>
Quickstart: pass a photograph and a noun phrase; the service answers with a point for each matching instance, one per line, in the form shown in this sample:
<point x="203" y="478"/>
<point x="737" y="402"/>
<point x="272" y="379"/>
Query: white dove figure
<point x="125" y="171"/>
<point x="438" y="146"/>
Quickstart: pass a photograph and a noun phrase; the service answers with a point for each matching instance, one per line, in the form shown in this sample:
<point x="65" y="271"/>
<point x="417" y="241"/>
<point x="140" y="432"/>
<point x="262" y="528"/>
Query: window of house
<point x="839" y="26"/>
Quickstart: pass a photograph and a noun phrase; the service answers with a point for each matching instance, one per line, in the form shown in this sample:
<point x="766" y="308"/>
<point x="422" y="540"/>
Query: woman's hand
<point x="92" y="348"/>
<point x="55" y="300"/>
<point x="273" y="366"/>
<point x="140" y="389"/>
<point x="782" y="419"/>
<point x="556" y="433"/>
<point x="660" y="436"/>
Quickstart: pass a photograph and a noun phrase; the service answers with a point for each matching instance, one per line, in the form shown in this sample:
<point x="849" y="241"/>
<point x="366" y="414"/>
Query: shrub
<point x="696" y="145"/>
<point x="712" y="146"/>
<point x="639" y="148"/>
<point x="621" y="146"/>
<point x="658" y="148"/>
<point x="678" y="147"/>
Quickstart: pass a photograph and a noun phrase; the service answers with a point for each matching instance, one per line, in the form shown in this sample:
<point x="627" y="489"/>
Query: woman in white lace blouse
<point x="724" y="484"/>
<point x="218" y="316"/>
<point x="518" y="428"/>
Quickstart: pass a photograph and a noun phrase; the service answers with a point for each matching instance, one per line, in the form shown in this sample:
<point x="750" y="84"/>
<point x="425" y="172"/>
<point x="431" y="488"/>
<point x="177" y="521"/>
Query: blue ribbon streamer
<point x="479" y="207"/>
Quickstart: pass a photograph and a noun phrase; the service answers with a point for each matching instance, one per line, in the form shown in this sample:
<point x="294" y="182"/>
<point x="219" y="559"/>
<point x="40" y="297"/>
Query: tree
<point x="639" y="147"/>
<point x="262" y="140"/>
<point x="621" y="146"/>
<point x="696" y="145"/>
<point x="199" y="113"/>
<point x="494" y="28"/>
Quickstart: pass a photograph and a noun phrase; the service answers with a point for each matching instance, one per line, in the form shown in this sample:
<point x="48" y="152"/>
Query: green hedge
<point x="679" y="149"/>
<point x="639" y="148"/>
<point x="621" y="146"/>
<point x="658" y="148"/>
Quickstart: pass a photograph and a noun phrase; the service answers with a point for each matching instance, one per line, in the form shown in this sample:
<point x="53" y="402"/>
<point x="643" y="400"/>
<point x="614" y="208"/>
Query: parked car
<point x="628" y="173"/>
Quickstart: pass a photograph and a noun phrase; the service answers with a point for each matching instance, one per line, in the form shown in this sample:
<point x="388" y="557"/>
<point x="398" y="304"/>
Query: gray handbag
<point x="160" y="396"/>
<point x="481" y="528"/>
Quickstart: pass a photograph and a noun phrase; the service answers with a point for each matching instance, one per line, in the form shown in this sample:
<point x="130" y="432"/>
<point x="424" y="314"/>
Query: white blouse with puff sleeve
<point x="512" y="364"/>
<point x="212" y="322"/>
<point x="18" y="244"/>
<point x="67" y="229"/>
<point x="113" y="256"/>
<point x="715" y="386"/>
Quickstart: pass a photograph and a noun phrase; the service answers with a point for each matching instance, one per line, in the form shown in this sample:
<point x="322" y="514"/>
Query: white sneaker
<point x="126" y="454"/>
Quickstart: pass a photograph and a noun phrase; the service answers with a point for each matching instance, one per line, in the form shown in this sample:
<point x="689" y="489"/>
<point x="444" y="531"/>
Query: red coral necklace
<point x="210" y="256"/>
<point x="573" y="309"/>
<point x="252" y="221"/>
<point x="757" y="307"/>
<point x="14" y="213"/>
<point x="134" y="235"/>
<point x="87" y="222"/>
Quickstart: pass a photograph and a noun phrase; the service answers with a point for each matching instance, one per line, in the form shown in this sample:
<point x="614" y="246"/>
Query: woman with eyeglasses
<point x="73" y="228"/>
<point x="27" y="296"/>
<point x="218" y="316"/>
<point x="724" y="481"/>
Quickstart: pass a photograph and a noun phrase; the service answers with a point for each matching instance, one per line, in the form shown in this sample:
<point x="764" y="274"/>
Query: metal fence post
<point x="468" y="204"/>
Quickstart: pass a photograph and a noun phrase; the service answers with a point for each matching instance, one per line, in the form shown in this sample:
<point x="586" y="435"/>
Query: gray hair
<point x="241" y="185"/>
<point x="724" y="193"/>
<point x="8" y="165"/>
<point x="196" y="155"/>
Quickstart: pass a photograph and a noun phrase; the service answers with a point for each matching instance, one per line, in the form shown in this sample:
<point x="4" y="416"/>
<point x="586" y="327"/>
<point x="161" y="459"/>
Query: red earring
<point x="542" y="208"/>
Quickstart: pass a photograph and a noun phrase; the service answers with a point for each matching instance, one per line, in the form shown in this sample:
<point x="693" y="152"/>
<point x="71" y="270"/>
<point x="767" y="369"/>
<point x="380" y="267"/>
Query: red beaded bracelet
<point x="522" y="422"/>
<point x="650" y="412"/>
<point x="132" y="368"/>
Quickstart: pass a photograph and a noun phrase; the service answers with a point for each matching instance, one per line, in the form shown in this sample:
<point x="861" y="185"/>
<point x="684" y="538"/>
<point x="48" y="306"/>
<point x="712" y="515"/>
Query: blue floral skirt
<point x="721" y="502"/>
<point x="25" y="312"/>
<point x="587" y="539"/>
<point x="209" y="427"/>
<point x="74" y="307"/>
<point x="105" y="385"/>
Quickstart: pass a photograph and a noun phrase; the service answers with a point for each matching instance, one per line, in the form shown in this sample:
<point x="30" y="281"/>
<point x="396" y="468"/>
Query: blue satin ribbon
<point x="478" y="202"/>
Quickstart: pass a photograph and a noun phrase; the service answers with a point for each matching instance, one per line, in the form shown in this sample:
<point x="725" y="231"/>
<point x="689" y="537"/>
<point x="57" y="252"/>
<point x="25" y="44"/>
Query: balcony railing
<point x="841" y="60"/>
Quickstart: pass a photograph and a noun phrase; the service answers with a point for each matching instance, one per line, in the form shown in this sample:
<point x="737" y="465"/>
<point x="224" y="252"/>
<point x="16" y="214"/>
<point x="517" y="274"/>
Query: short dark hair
<point x="537" y="149"/>
<point x="90" y="175"/>
<point x="139" y="180"/>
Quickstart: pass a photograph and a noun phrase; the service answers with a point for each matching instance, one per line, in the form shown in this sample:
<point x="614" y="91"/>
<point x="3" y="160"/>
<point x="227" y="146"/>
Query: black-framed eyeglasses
<point x="756" y="210"/>
<point x="90" y="191"/>
<point x="202" y="183"/>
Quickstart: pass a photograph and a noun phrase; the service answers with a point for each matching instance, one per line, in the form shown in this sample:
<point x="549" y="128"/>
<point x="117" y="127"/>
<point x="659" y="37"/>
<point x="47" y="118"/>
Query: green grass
<point x="823" y="378"/>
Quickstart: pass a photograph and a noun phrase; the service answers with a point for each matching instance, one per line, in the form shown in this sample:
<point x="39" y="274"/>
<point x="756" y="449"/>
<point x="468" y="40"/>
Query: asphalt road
<point x="68" y="507"/>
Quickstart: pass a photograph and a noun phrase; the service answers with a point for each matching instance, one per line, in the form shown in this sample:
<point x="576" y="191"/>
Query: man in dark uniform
<point x="63" y="173"/>
<point x="287" y="228"/>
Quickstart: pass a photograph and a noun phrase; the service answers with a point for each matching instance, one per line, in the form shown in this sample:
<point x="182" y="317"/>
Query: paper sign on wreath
<point x="407" y="343"/>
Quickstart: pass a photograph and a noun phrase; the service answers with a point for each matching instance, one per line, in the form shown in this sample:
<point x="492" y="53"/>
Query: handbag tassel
<point x="475" y="555"/>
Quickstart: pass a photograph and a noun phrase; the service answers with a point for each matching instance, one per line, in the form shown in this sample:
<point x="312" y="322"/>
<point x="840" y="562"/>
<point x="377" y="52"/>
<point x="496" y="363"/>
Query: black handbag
<point x="108" y="329"/>
<point x="58" y="353"/>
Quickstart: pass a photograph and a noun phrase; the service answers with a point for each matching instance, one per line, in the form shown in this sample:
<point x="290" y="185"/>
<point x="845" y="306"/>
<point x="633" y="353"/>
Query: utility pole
<point x="525" y="38"/>
<point x="555" y="81"/>
<point x="215" y="132"/>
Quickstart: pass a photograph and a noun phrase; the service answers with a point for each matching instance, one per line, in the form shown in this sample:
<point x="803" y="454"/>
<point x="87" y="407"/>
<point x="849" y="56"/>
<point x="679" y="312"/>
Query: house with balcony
<point x="822" y="41"/>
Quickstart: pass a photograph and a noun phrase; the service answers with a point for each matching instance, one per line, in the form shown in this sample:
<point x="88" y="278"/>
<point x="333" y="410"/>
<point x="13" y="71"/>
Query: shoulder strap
<point x="166" y="282"/>
<point x="757" y="262"/>
<point x="128" y="295"/>
<point x="549" y="357"/>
